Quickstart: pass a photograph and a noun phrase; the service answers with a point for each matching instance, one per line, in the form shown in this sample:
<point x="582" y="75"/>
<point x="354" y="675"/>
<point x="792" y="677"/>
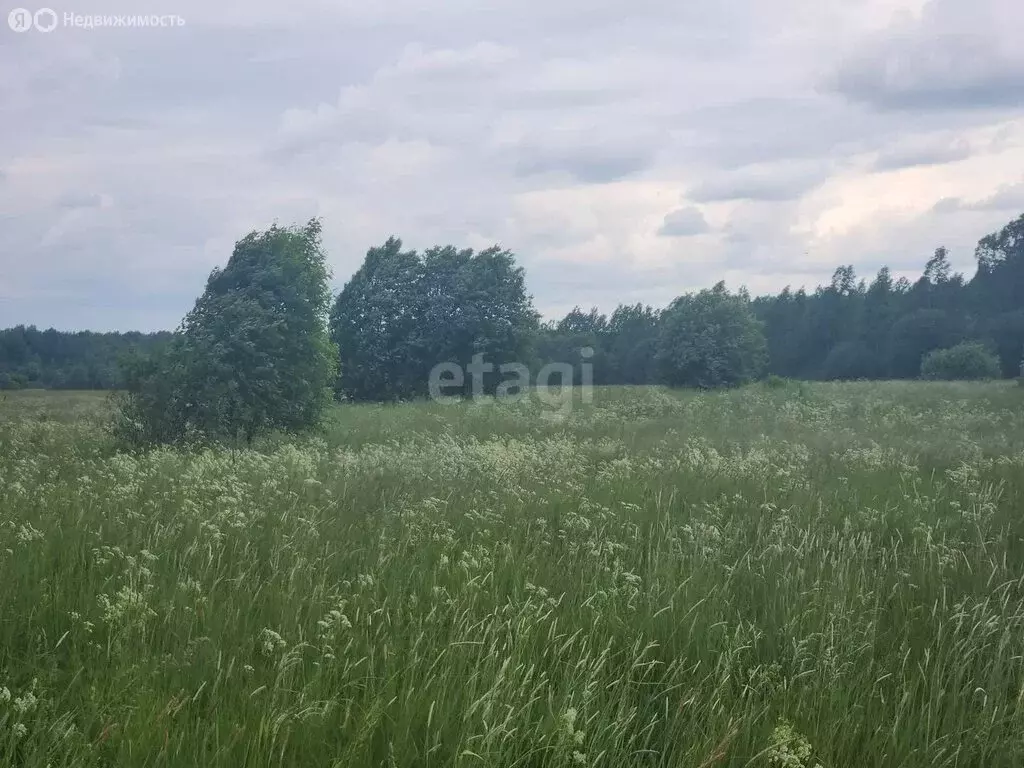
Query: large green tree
<point x="252" y="356"/>
<point x="711" y="339"/>
<point x="631" y="344"/>
<point x="403" y="313"/>
<point x="375" y="323"/>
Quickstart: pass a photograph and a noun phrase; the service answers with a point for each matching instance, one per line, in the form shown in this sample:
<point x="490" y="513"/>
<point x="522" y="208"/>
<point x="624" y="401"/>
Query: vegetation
<point x="778" y="574"/>
<point x="252" y="356"/>
<point x="969" y="361"/>
<point x="402" y="313"/>
<point x="710" y="340"/>
<point x="51" y="359"/>
<point x="784" y="575"/>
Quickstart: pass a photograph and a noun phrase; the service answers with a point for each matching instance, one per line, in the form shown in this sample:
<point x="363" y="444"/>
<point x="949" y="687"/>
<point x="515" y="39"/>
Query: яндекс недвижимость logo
<point x="47" y="20"/>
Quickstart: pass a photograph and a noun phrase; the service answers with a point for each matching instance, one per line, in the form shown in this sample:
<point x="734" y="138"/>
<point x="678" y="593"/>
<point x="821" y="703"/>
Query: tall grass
<point x="814" y="575"/>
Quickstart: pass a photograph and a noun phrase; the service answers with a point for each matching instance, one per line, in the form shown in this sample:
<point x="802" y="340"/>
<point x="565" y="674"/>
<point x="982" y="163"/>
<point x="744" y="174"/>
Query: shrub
<point x="965" y="362"/>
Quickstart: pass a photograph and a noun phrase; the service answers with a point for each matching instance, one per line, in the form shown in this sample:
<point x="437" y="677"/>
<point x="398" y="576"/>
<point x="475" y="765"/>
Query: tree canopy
<point x="402" y="313"/>
<point x="710" y="339"/>
<point x="252" y="356"/>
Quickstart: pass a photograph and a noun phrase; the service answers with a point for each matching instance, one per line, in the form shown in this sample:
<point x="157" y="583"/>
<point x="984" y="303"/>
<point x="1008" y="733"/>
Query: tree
<point x="881" y="309"/>
<point x="402" y="313"/>
<point x="847" y="360"/>
<point x="938" y="269"/>
<point x="67" y="360"/>
<point x="631" y="344"/>
<point x="252" y="356"/>
<point x="1006" y="331"/>
<point x="916" y="334"/>
<point x="963" y="362"/>
<point x="710" y="339"/>
<point x="475" y="305"/>
<point x="999" y="283"/>
<point x="376" y="324"/>
<point x="564" y="342"/>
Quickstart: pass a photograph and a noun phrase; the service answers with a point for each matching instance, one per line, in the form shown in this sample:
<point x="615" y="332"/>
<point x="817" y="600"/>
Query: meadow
<point x="796" y="576"/>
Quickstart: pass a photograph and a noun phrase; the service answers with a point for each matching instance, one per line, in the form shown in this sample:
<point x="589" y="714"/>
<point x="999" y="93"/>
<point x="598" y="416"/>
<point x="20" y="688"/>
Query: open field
<point x="813" y="575"/>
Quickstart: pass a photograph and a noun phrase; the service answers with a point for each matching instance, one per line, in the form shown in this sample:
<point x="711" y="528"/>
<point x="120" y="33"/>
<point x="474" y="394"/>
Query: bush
<point x="968" y="361"/>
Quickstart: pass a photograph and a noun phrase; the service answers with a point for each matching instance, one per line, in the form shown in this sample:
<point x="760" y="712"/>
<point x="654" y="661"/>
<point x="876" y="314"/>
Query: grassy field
<point x="811" y="575"/>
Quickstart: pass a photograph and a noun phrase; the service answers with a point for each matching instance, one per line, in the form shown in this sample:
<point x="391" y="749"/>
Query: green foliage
<point x="847" y="360"/>
<point x="632" y="343"/>
<point x="251" y="357"/>
<point x="710" y="340"/>
<point x="999" y="283"/>
<point x="54" y="359"/>
<point x="752" y="578"/>
<point x="776" y="382"/>
<point x="402" y="313"/>
<point x="969" y="361"/>
<point x="915" y="335"/>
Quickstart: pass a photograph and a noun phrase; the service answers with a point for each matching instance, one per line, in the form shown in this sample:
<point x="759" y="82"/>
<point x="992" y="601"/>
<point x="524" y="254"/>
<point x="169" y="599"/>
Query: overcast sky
<point x="625" y="150"/>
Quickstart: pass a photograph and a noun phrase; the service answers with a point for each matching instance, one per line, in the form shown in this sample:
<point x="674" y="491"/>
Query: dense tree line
<point x="403" y="312"/>
<point x="848" y="329"/>
<point x="54" y="359"/>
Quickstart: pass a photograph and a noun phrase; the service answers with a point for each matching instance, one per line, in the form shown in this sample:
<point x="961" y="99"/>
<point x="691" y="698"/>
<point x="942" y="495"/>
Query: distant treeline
<point x="849" y="329"/>
<point x="403" y="311"/>
<point x="50" y="359"/>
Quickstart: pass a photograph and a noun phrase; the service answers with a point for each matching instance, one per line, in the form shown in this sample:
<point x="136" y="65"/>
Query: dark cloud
<point x="955" y="56"/>
<point x="587" y="165"/>
<point x="1008" y="198"/>
<point x="921" y="153"/>
<point x="684" y="222"/>
<point x="767" y="183"/>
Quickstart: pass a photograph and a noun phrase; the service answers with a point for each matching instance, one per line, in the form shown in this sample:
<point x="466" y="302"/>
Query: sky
<point x="625" y="151"/>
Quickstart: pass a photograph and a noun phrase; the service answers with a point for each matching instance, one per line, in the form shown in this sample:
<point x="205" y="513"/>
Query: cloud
<point x="134" y="159"/>
<point x="73" y="200"/>
<point x="922" y="151"/>
<point x="1008" y="198"/>
<point x="764" y="182"/>
<point x="684" y="222"/>
<point x="953" y="56"/>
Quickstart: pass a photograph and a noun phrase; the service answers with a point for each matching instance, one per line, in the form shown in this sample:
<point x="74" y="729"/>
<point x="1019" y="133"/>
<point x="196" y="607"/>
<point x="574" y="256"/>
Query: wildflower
<point x="271" y="641"/>
<point x="28" y="533"/>
<point x="26" y="703"/>
<point x="19" y="730"/>
<point x="569" y="719"/>
<point x="787" y="748"/>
